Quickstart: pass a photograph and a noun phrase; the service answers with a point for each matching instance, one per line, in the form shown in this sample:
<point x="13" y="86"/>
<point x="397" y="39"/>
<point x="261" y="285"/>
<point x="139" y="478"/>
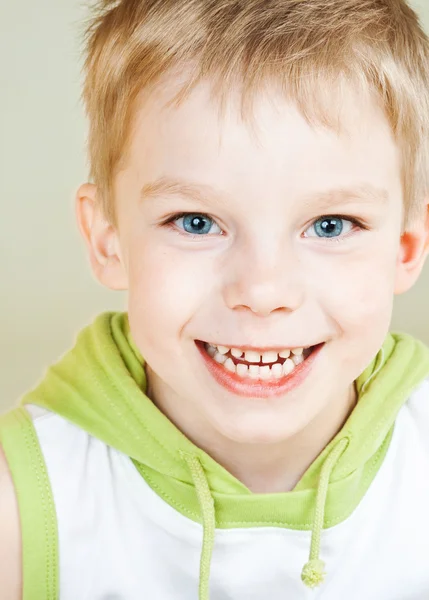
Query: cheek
<point x="357" y="299"/>
<point x="357" y="292"/>
<point x="166" y="289"/>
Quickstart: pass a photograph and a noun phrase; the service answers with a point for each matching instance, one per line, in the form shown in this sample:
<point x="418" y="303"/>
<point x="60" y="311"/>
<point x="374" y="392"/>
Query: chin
<point x="256" y="428"/>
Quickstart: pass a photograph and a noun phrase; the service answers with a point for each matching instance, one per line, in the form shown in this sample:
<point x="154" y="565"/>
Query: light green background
<point x="47" y="292"/>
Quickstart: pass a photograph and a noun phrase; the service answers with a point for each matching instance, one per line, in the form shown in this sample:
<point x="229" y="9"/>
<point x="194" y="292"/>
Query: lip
<point x="255" y="388"/>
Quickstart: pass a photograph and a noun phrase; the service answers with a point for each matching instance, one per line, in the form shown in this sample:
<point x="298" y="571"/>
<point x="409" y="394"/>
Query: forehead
<point x="279" y="147"/>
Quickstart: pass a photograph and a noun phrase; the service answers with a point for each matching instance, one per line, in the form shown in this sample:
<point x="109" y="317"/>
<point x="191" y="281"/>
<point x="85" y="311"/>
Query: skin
<point x="267" y="281"/>
<point x="261" y="276"/>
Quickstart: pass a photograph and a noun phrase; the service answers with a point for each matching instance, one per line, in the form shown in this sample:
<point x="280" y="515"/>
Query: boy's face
<point x="291" y="239"/>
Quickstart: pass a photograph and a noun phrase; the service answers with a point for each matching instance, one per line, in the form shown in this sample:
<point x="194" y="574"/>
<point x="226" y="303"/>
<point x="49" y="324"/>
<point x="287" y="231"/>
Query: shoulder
<point x="10" y="536"/>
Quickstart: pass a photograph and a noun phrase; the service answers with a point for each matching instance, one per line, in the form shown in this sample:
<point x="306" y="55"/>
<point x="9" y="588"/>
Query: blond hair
<point x="305" y="45"/>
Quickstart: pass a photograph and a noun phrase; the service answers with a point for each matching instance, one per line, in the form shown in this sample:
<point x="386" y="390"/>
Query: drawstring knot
<point x="313" y="573"/>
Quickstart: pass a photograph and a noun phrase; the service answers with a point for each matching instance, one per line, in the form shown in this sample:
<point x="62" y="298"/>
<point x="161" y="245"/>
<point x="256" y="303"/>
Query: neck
<point x="276" y="468"/>
<point x="262" y="468"/>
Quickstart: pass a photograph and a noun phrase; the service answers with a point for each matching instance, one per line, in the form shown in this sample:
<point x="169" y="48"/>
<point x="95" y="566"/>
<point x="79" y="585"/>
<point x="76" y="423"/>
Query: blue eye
<point x="329" y="227"/>
<point x="196" y="224"/>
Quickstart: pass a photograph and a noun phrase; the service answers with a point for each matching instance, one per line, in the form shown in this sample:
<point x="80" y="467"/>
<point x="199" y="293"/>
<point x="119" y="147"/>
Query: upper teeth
<point x="249" y="366"/>
<point x="252" y="356"/>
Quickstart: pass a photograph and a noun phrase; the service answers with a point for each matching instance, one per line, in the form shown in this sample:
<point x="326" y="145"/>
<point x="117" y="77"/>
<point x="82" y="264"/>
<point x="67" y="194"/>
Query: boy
<point x="249" y="429"/>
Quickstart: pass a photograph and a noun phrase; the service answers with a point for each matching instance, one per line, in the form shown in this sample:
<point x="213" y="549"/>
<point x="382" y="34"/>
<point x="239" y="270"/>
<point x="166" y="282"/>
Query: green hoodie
<point x="100" y="387"/>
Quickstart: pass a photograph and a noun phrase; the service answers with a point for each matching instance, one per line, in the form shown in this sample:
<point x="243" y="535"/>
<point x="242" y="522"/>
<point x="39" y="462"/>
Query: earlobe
<point x="413" y="251"/>
<point x="101" y="239"/>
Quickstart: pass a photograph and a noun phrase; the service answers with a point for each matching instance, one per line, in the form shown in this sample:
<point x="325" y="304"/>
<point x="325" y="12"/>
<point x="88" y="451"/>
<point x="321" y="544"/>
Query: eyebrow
<point x="166" y="186"/>
<point x="203" y="193"/>
<point x="364" y="192"/>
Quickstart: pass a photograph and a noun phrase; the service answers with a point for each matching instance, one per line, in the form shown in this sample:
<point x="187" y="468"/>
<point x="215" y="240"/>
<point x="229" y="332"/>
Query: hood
<point x="100" y="387"/>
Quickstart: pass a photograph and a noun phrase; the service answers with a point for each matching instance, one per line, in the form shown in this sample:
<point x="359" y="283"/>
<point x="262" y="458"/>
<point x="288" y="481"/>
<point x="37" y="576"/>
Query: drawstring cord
<point x="209" y="522"/>
<point x="313" y="573"/>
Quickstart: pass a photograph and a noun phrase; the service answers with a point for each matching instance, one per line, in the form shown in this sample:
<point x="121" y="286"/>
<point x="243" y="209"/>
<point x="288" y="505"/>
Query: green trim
<point x="36" y="506"/>
<point x="291" y="510"/>
<point x="100" y="387"/>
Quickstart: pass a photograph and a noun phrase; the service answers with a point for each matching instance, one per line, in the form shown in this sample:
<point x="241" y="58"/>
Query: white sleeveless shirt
<point x="118" y="540"/>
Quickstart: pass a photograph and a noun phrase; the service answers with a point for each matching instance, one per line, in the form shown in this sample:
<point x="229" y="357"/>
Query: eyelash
<point x="170" y="223"/>
<point x="356" y="222"/>
<point x="358" y="225"/>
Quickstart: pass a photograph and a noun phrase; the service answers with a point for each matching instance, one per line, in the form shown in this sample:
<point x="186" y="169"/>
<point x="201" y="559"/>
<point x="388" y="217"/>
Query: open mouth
<point x="245" y="371"/>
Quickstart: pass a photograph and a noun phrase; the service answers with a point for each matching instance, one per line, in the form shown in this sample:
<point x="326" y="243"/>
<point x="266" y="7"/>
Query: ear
<point x="413" y="251"/>
<point x="101" y="239"/>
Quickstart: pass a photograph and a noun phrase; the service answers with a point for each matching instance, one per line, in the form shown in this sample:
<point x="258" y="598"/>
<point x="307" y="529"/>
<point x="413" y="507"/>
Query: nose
<point x="265" y="284"/>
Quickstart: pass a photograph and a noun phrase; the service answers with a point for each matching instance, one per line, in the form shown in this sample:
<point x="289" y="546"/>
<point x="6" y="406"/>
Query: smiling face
<point x="285" y="239"/>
